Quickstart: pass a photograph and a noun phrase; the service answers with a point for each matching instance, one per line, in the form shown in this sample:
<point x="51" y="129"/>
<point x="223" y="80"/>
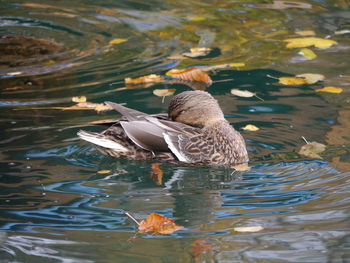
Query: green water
<point x="57" y="206"/>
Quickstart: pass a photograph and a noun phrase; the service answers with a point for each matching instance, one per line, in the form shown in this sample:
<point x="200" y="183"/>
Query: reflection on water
<point x="55" y="205"/>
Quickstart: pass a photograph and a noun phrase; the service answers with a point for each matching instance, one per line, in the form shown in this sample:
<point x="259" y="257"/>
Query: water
<point x="57" y="206"/>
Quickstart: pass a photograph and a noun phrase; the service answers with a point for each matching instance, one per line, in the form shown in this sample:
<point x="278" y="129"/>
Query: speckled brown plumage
<point x="195" y="132"/>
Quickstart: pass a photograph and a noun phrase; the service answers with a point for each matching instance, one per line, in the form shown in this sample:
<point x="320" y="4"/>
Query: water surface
<point x="57" y="206"/>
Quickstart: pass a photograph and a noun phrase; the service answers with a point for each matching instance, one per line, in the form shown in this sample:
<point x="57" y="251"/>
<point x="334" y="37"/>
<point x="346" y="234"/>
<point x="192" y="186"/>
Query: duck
<point x="194" y="131"/>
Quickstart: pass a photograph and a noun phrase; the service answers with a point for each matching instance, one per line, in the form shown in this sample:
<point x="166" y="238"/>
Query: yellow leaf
<point x="164" y="92"/>
<point x="308" y="53"/>
<point x="291" y="81"/>
<point x="311" y="78"/>
<point x="117" y="41"/>
<point x="305" y="33"/>
<point x="312" y="150"/>
<point x="309" y="41"/>
<point x="103" y="107"/>
<point x="330" y="90"/>
<point x="78" y="99"/>
<point x="153" y="78"/>
<point x="248" y="228"/>
<point x="250" y="127"/>
<point x="103" y="171"/>
<point x="237" y="65"/>
<point x="196" y="18"/>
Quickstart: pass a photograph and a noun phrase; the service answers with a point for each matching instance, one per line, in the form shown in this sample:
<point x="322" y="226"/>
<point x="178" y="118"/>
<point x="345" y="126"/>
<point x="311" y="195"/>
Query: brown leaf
<point x="190" y="74"/>
<point x="312" y="150"/>
<point x="157" y="173"/>
<point x="156" y="223"/>
<point x="199" y="247"/>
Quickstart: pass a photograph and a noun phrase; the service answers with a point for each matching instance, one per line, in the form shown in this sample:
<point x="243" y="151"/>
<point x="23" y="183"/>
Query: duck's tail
<point x="101" y="140"/>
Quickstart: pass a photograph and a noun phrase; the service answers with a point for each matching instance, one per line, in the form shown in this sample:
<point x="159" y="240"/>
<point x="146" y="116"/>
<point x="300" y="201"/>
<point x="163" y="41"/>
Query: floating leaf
<point x="242" y="93"/>
<point x="291" y="81"/>
<point x="311" y="78"/>
<point x="88" y="106"/>
<point x="248" y="229"/>
<point x="199" y="247"/>
<point x="163" y="92"/>
<point x="157" y="173"/>
<point x="330" y="90"/>
<point x="198" y="52"/>
<point x="308" y="53"/>
<point x="312" y="150"/>
<point x="156" y="223"/>
<point x="196" y="18"/>
<point x="305" y="33"/>
<point x="250" y="127"/>
<point x="190" y="74"/>
<point x="153" y="78"/>
<point x="237" y="65"/>
<point x="117" y="41"/>
<point x="285" y="4"/>
<point x="103" y="171"/>
<point x="309" y="41"/>
<point x="79" y="99"/>
<point x="342" y="32"/>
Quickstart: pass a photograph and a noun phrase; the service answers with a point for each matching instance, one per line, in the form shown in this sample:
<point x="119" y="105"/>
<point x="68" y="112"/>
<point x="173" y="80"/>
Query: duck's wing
<point x="187" y="143"/>
<point x="145" y="135"/>
<point x="129" y="114"/>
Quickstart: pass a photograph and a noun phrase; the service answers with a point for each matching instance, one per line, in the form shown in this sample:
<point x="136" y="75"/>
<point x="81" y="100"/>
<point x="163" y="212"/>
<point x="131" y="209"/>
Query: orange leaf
<point x="156" y="223"/>
<point x="153" y="78"/>
<point x="157" y="173"/>
<point x="200" y="246"/>
<point x="191" y="74"/>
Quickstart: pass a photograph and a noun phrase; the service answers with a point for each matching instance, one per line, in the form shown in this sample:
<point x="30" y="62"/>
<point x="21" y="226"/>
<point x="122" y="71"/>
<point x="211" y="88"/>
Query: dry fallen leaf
<point x="312" y="150"/>
<point x="330" y="90"/>
<point x="311" y="78"/>
<point x="197" y="52"/>
<point x="291" y="81"/>
<point x="79" y="99"/>
<point x="156" y="223"/>
<point x="153" y="78"/>
<point x="278" y="4"/>
<point x="88" y="106"/>
<point x="305" y="33"/>
<point x="242" y="93"/>
<point x="103" y="171"/>
<point x="237" y="65"/>
<point x="309" y="41"/>
<point x="248" y="229"/>
<point x="157" y="173"/>
<point x="250" y="127"/>
<point x="199" y="247"/>
<point x="117" y="41"/>
<point x="163" y="92"/>
<point x="308" y="53"/>
<point x="190" y="74"/>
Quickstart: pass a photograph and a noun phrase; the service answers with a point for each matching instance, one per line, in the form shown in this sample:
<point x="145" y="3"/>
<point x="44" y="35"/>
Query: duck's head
<point x="196" y="108"/>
